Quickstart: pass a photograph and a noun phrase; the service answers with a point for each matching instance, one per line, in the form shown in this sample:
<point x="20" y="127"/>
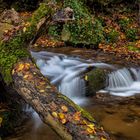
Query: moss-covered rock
<point x="95" y="80"/>
<point x="85" y="29"/>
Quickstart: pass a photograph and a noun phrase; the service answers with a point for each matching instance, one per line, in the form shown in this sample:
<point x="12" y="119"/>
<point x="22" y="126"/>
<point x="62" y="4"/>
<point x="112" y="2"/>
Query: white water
<point x="66" y="72"/>
<point x="124" y="82"/>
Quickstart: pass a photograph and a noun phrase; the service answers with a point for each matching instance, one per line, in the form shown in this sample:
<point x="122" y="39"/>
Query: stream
<point x="120" y="118"/>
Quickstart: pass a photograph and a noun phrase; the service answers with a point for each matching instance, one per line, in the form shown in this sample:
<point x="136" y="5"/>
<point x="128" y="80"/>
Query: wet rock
<point x="10" y="17"/>
<point x="95" y="80"/>
<point x="64" y="15"/>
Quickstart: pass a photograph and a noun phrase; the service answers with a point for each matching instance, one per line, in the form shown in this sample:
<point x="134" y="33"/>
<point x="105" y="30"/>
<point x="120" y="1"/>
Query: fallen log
<point x="68" y="119"/>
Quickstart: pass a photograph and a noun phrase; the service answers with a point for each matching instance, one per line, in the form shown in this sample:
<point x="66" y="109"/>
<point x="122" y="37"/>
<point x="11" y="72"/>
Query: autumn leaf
<point x="86" y="78"/>
<point x="63" y="121"/>
<point x="64" y="108"/>
<point x="24" y="29"/>
<point x="42" y="91"/>
<point x="77" y="116"/>
<point x="1" y="121"/>
<point x="20" y="67"/>
<point x="61" y="116"/>
<point x="55" y="114"/>
<point x="102" y="138"/>
<point x="26" y="66"/>
<point x="13" y="71"/>
<point x="90" y="130"/>
<point x="91" y="126"/>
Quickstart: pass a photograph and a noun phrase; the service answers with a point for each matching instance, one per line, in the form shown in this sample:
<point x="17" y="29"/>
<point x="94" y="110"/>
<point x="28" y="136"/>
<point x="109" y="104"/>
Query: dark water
<point x="120" y="119"/>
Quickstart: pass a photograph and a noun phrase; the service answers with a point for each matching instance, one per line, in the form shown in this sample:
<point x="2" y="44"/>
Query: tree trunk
<point x="68" y="119"/>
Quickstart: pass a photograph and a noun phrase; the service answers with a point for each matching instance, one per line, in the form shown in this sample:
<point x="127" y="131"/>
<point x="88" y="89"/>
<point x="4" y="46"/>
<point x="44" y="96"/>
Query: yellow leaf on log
<point x="91" y="126"/>
<point x="63" y="121"/>
<point x="24" y="29"/>
<point x="102" y="138"/>
<point x="55" y="114"/>
<point x="64" y="108"/>
<point x="42" y="91"/>
<point x="61" y="115"/>
<point x="1" y="120"/>
<point x="20" y="67"/>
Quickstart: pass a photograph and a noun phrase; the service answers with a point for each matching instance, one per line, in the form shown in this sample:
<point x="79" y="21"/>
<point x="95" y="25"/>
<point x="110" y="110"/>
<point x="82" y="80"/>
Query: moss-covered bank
<point x="84" y="29"/>
<point x="16" y="48"/>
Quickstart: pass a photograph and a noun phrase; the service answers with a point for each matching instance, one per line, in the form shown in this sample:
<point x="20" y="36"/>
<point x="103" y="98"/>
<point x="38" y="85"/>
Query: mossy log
<point x="68" y="119"/>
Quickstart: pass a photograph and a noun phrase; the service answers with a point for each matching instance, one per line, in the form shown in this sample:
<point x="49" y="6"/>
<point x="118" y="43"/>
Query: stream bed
<point x="116" y="107"/>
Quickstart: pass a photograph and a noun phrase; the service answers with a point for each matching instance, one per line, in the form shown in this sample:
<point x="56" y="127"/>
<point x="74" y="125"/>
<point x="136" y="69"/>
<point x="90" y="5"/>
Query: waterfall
<point x="123" y="82"/>
<point x="66" y="72"/>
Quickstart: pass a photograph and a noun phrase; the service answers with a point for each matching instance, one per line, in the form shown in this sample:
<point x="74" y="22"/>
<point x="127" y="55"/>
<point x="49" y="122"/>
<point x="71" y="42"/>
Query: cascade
<point x="123" y="82"/>
<point x="66" y="73"/>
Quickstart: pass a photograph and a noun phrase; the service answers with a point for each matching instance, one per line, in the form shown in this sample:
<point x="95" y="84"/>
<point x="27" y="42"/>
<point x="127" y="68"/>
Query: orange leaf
<point x="64" y="108"/>
<point x="77" y="116"/>
<point x="20" y="67"/>
<point x="61" y="115"/>
<point x="63" y="121"/>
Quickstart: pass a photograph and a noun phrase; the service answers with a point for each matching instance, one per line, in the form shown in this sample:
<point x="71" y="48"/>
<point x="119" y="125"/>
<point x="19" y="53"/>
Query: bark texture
<point x="64" y="116"/>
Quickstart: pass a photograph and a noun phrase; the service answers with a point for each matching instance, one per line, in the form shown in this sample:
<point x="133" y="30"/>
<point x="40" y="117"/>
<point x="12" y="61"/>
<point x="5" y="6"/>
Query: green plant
<point x="112" y="36"/>
<point x="124" y="23"/>
<point x="85" y="29"/>
<point x="132" y="48"/>
<point x="132" y="34"/>
<point x="54" y="30"/>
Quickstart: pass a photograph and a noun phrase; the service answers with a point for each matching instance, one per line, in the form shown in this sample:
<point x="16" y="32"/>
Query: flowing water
<point x="124" y="82"/>
<point x="66" y="72"/>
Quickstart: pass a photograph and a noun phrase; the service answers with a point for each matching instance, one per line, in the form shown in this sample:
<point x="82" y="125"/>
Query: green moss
<point x="16" y="48"/>
<point x="9" y="54"/>
<point x="85" y="29"/>
<point x="95" y="81"/>
<point x="84" y="32"/>
<point x="79" y="7"/>
<point x="112" y="36"/>
<point x="84" y="112"/>
<point x="132" y="34"/>
<point x="124" y="23"/>
<point x="55" y="31"/>
<point x="132" y="47"/>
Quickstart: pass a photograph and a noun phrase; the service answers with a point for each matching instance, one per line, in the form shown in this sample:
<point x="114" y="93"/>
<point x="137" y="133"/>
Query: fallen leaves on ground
<point x="47" y="42"/>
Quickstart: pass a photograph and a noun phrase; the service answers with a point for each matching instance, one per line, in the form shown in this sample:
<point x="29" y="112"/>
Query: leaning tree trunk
<point x="68" y="119"/>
